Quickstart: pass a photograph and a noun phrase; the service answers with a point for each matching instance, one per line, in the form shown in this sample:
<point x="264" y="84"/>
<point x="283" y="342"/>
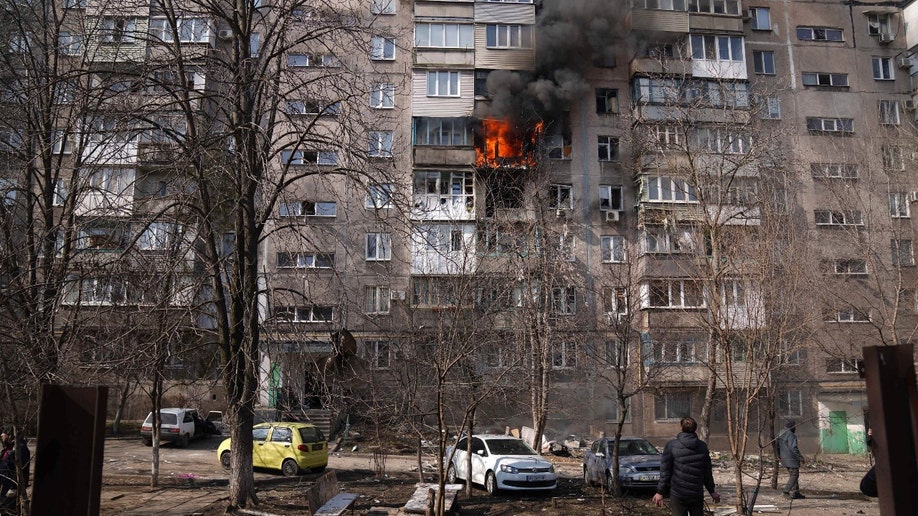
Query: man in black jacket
<point x="685" y="473"/>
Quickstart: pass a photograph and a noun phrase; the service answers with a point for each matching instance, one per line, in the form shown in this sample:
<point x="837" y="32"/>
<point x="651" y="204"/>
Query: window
<point x="838" y="365"/>
<point x="435" y="291"/>
<point x="97" y="291"/>
<point x="382" y="96"/>
<point x="771" y="108"/>
<point x="302" y="157"/>
<point x="663" y="240"/>
<point x="564" y="355"/>
<point x="679" y="350"/>
<point x="714" y="6"/>
<point x="380" y="144"/>
<point x="838" y="218"/>
<point x="102" y="236"/>
<point x="312" y="60"/>
<point x="613" y="411"/>
<point x="819" y="34"/>
<point x="834" y="170"/>
<point x="608" y="148"/>
<point x="841" y="126"/>
<point x="189" y="30"/>
<point x="62" y="142"/>
<point x="675" y="294"/>
<point x="892" y="157"/>
<point x="312" y="107"/>
<point x="442" y="84"/>
<point x="444" y="35"/>
<point x="566" y="247"/>
<point x="672" y="405"/>
<point x="691" y="91"/>
<point x="564" y="300"/>
<point x="850" y="267"/>
<point x="663" y="5"/>
<point x="617" y="301"/>
<point x="69" y="44"/>
<point x="304" y="314"/>
<point x="760" y="18"/>
<point x="837" y="80"/>
<point x="60" y="193"/>
<point x="20" y="43"/>
<point x="75" y="4"/>
<point x="301" y="260"/>
<point x="158" y="236"/>
<point x="557" y="146"/>
<point x="606" y="101"/>
<point x="717" y="48"/>
<point x="763" y="62"/>
<point x="899" y="205"/>
<point x="379" y="196"/>
<point x="889" y="112"/>
<point x="117" y="30"/>
<point x="668" y="189"/>
<point x="377" y="300"/>
<point x="790" y="354"/>
<point x="878" y="23"/>
<point x="902" y="255"/>
<point x="443" y="131"/>
<point x="790" y="403"/>
<point x="382" y="48"/>
<point x="559" y="197"/>
<point x="883" y="68"/>
<point x="378" y="353"/>
<point x="613" y="249"/>
<point x="610" y="198"/>
<point x="850" y="315"/>
<point x="508" y="36"/>
<point x="307" y="209"/>
<point x="383" y="7"/>
<point x="666" y="136"/>
<point x="379" y="247"/>
<point x="720" y="141"/>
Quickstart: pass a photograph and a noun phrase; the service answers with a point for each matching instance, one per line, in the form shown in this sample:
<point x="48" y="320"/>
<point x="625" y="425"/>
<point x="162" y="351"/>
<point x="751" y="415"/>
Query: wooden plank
<point x="419" y="499"/>
<point x="337" y="505"/>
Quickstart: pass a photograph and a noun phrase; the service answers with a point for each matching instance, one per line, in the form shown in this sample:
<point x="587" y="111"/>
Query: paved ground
<point x="192" y="481"/>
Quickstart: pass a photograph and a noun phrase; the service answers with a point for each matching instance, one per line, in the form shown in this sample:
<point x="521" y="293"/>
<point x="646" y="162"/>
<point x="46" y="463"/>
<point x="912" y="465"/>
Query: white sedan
<point x="501" y="462"/>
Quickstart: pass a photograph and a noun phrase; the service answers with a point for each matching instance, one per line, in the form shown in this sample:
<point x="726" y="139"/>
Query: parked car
<point x="177" y="425"/>
<point x="638" y="463"/>
<point x="501" y="462"/>
<point x="290" y="447"/>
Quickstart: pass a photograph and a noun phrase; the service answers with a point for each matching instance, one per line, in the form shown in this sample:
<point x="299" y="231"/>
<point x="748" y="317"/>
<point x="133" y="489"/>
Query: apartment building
<point x="673" y="189"/>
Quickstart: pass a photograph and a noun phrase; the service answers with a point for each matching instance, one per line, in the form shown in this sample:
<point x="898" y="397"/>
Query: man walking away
<point x="790" y="458"/>
<point x="685" y="473"/>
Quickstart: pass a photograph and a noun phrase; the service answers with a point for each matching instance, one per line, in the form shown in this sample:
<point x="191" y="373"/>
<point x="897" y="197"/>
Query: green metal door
<point x="835" y="438"/>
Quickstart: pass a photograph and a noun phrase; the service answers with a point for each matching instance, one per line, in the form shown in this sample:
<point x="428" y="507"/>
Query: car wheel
<point x="147" y="442"/>
<point x="290" y="468"/>
<point x="451" y="476"/>
<point x="491" y="483"/>
<point x="586" y="478"/>
<point x="610" y="483"/>
<point x="225" y="460"/>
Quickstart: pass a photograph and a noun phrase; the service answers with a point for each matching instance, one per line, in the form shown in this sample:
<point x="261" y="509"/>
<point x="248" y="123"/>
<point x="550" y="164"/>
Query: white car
<point x="501" y="462"/>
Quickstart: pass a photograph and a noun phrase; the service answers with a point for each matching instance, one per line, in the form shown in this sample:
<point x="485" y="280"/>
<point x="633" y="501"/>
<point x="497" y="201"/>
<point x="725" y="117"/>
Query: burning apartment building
<point x="606" y="213"/>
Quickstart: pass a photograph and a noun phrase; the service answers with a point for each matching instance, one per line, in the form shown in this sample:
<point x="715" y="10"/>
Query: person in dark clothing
<point x="11" y="456"/>
<point x="685" y="473"/>
<point x="869" y="482"/>
<point x="790" y="458"/>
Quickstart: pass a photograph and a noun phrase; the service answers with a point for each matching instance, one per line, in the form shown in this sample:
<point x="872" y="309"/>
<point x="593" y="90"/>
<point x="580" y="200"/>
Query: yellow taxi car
<point x="290" y="447"/>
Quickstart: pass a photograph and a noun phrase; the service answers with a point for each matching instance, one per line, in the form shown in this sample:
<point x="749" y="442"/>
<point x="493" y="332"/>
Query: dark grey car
<point x="638" y="461"/>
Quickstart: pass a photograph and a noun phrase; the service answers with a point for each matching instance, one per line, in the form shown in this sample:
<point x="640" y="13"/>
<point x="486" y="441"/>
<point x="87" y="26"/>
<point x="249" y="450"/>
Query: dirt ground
<point x="192" y="482"/>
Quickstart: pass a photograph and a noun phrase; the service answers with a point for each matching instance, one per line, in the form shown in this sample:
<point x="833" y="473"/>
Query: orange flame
<point x="502" y="144"/>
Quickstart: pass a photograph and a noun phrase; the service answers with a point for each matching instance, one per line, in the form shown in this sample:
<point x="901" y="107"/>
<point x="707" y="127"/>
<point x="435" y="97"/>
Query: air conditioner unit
<point x="885" y="37"/>
<point x="748" y="15"/>
<point x="225" y="34"/>
<point x="910" y="105"/>
<point x="397" y="295"/>
<point x="613" y="216"/>
<point x="904" y="62"/>
<point x="913" y="196"/>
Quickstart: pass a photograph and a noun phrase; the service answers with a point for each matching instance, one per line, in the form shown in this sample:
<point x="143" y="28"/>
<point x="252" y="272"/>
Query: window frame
<point x="377" y="247"/>
<point x="607" y="101"/>
<point x="382" y="48"/>
<point x="379" y="196"/>
<point x="763" y="62"/>
<point x="899" y="205"/>
<point x="611" y="198"/>
<point x="825" y="79"/>
<point x="883" y="68"/>
<point x="756" y="20"/>
<point x="382" y="96"/>
<point x="889" y="112"/>
<point x="814" y="34"/>
<point x="434" y="82"/>
<point x="612" y="249"/>
<point x="608" y="148"/>
<point x="378" y="300"/>
<point x="509" y="32"/>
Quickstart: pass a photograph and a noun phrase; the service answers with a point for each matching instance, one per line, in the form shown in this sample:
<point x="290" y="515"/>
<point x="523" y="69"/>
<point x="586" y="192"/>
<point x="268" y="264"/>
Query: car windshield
<point x="165" y="418"/>
<point x="636" y="447"/>
<point x="509" y="447"/>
